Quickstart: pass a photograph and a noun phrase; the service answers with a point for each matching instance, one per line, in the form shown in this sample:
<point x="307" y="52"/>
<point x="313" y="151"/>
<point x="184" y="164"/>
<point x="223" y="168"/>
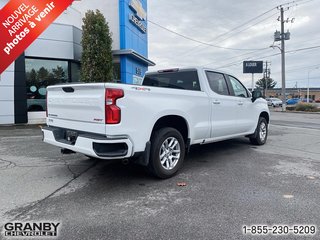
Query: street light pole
<point x="308" y="91"/>
<point x="283" y="63"/>
<point x="252" y="85"/>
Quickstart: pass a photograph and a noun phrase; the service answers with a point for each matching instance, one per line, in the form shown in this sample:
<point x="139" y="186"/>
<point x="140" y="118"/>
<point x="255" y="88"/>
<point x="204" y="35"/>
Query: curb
<point x="299" y="112"/>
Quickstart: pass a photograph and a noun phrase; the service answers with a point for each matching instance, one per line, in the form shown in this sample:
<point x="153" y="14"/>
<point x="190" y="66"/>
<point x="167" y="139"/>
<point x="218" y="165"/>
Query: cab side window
<point x="217" y="83"/>
<point x="238" y="89"/>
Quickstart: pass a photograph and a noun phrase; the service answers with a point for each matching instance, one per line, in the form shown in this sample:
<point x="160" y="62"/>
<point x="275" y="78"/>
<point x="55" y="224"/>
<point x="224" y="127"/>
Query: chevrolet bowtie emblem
<point x="136" y="6"/>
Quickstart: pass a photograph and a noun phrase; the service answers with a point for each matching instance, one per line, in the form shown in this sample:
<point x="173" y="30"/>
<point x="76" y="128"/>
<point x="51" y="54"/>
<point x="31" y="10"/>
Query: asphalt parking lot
<point x="228" y="185"/>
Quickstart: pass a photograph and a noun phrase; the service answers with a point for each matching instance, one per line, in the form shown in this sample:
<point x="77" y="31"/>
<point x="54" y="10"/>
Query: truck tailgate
<point x="77" y="107"/>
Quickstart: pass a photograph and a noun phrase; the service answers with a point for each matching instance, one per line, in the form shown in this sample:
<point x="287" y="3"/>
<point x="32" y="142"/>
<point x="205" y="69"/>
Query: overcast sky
<point x="206" y="20"/>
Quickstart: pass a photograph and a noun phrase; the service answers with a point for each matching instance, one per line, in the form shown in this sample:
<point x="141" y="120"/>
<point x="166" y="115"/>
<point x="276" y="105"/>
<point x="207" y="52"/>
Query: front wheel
<point x="167" y="152"/>
<point x="261" y="134"/>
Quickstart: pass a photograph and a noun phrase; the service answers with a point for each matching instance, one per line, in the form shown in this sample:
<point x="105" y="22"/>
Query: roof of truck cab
<point x="188" y="68"/>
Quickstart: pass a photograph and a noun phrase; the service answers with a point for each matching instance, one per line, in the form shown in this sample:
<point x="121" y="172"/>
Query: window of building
<point x="217" y="83"/>
<point x="312" y="97"/>
<point x="75" y="72"/>
<point x="41" y="73"/>
<point x="117" y="72"/>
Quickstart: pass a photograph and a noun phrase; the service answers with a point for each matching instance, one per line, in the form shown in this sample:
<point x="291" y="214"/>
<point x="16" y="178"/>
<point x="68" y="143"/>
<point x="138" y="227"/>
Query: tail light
<point x="112" y="111"/>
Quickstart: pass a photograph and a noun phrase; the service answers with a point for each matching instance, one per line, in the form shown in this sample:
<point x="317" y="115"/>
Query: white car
<point x="274" y="102"/>
<point x="157" y="122"/>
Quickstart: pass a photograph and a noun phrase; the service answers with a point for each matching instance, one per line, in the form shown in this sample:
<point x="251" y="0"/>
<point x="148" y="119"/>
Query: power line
<point x="245" y="23"/>
<point x="272" y="55"/>
<point x="226" y="33"/>
<point x="249" y="27"/>
<point x="303" y="49"/>
<point x="201" y="42"/>
<point x="245" y="30"/>
<point x="288" y="3"/>
<point x="237" y="49"/>
<point x="210" y="63"/>
<point x="301" y="79"/>
<point x="230" y="31"/>
<point x="299" y="69"/>
<point x="306" y="1"/>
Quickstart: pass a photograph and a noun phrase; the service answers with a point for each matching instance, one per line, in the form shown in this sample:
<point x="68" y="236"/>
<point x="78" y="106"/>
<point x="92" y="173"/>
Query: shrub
<point x="291" y="108"/>
<point x="307" y="107"/>
<point x="96" y="61"/>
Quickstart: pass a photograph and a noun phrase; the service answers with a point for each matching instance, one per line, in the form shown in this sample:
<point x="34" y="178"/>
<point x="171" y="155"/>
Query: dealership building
<point x="55" y="57"/>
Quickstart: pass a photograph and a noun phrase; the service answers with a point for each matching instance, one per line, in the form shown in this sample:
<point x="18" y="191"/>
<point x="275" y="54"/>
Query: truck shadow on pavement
<point x="199" y="155"/>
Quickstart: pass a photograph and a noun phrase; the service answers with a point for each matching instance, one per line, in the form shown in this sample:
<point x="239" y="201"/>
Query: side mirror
<point x="256" y="94"/>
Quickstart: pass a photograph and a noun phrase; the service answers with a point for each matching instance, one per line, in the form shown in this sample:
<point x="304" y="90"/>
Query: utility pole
<point x="283" y="63"/>
<point x="282" y="36"/>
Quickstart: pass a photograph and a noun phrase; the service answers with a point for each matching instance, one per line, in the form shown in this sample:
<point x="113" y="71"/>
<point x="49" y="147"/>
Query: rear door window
<point x="187" y="80"/>
<point x="217" y="83"/>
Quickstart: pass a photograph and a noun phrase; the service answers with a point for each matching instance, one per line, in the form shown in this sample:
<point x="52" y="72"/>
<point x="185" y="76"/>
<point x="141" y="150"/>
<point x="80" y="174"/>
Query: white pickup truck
<point x="154" y="123"/>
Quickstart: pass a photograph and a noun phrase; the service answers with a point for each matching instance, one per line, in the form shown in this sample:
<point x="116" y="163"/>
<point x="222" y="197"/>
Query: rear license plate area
<point x="71" y="136"/>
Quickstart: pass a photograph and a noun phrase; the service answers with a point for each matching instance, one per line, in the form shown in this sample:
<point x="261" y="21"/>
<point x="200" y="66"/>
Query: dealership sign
<point x="21" y="23"/>
<point x="31" y="229"/>
<point x="252" y="66"/>
<point x="139" y="16"/>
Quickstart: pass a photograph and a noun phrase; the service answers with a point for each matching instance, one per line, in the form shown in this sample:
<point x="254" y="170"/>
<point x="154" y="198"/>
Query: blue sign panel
<point x="133" y="36"/>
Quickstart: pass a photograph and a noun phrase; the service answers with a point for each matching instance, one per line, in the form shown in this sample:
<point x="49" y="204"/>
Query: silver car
<point x="274" y="102"/>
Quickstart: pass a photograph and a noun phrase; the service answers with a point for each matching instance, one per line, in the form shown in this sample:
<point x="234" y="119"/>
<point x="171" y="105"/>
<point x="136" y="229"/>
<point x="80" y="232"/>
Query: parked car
<point x="36" y="105"/>
<point x="156" y="123"/>
<point x="274" y="102"/>
<point x="317" y="100"/>
<point x="306" y="100"/>
<point x="293" y="101"/>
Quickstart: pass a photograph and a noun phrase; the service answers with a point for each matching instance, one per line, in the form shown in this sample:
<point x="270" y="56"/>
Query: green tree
<point x="58" y="76"/>
<point x="263" y="82"/>
<point x="96" y="62"/>
<point x="43" y="74"/>
<point x="59" y="73"/>
<point x="32" y="77"/>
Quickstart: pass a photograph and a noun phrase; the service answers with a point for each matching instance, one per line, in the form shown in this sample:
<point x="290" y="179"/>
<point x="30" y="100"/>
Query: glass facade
<point x="41" y="73"/>
<point x="117" y="72"/>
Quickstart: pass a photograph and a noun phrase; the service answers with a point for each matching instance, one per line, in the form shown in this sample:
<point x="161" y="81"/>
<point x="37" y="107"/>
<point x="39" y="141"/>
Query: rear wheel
<point x="261" y="134"/>
<point x="167" y="152"/>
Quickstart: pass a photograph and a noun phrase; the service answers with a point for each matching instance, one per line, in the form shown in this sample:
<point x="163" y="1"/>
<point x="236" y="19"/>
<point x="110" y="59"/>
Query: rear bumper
<point x="98" y="146"/>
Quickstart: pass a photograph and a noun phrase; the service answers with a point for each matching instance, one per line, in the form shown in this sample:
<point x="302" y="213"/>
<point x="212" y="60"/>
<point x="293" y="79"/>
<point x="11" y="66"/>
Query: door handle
<point x="216" y="102"/>
<point x="240" y="103"/>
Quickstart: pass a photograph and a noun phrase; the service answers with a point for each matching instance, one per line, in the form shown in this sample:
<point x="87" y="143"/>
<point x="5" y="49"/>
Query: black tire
<point x="173" y="159"/>
<point x="273" y="105"/>
<point x="261" y="134"/>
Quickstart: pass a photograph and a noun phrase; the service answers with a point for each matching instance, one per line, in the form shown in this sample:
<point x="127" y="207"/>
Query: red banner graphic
<point x="21" y="22"/>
